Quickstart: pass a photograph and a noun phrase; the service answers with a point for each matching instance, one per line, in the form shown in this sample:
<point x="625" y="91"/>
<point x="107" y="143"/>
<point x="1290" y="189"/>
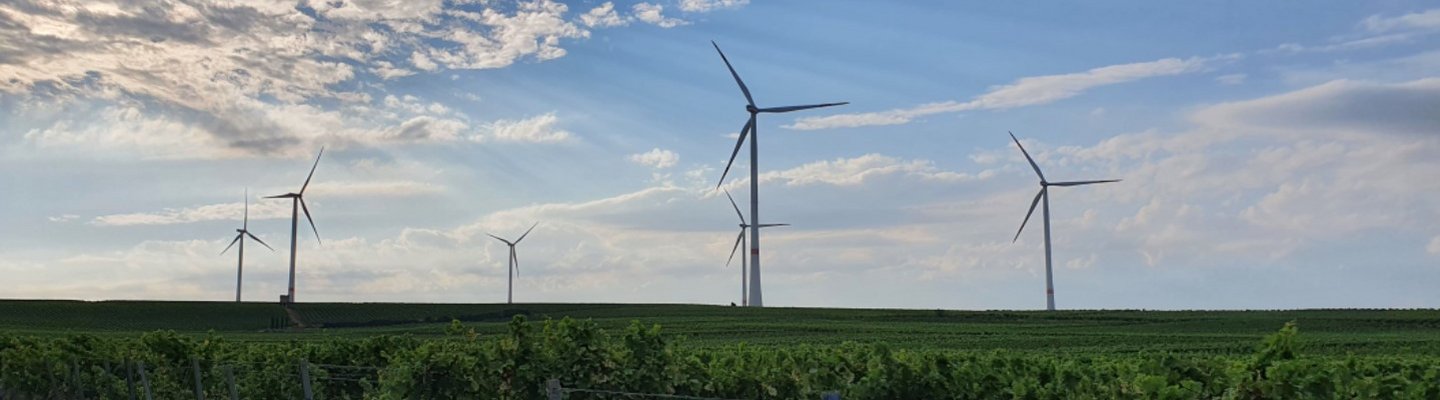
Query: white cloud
<point x="423" y="62"/>
<point x="244" y="79"/>
<point x="63" y="218"/>
<point x="603" y="16"/>
<point x="387" y="71"/>
<point x="131" y="129"/>
<point x="710" y="5"/>
<point x="656" y="158"/>
<point x="654" y="14"/>
<point x="1023" y="92"/>
<point x="1424" y="20"/>
<point x="538" y="129"/>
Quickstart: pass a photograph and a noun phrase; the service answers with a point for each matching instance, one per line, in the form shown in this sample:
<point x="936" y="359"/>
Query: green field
<point x="1362" y="332"/>
<point x="70" y="349"/>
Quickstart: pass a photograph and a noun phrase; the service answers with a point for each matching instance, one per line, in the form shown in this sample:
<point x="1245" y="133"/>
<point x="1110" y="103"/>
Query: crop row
<point x="516" y="364"/>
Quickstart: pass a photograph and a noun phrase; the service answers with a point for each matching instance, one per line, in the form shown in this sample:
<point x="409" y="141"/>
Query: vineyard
<point x="63" y="349"/>
<point x="640" y="359"/>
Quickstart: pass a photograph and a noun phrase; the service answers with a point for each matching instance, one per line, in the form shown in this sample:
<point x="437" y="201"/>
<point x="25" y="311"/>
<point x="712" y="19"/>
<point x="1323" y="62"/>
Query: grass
<point x="1334" y="332"/>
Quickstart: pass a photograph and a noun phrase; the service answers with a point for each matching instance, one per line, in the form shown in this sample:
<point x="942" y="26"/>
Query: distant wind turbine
<point x="739" y="245"/>
<point x="513" y="268"/>
<point x="749" y="130"/>
<point x="240" y="238"/>
<point x="1045" y="194"/>
<point x="297" y="203"/>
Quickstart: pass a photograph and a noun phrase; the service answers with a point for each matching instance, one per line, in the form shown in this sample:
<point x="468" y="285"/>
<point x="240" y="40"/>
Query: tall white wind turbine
<point x="749" y="130"/>
<point x="297" y="203"/>
<point x="740" y="245"/>
<point x="1044" y="194"/>
<point x="240" y="238"/>
<point x="513" y="268"/>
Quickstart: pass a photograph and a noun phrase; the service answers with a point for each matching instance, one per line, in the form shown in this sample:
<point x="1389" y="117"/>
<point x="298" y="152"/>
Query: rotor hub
<point x="751" y="109"/>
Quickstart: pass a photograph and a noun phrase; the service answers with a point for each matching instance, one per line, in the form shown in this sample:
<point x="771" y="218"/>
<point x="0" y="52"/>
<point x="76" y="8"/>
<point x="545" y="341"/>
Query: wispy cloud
<point x="1027" y="91"/>
<point x="709" y="5"/>
<point x="269" y="209"/>
<point x="1423" y="20"/>
<point x="1231" y="79"/>
<point x="538" y="129"/>
<point x="1341" y="105"/>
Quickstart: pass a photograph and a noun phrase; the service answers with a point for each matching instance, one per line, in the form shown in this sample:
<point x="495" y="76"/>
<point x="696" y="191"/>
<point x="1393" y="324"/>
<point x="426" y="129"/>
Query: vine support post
<point x="199" y="383"/>
<point x="305" y="379"/>
<point x="230" y="382"/>
<point x="145" y="381"/>
<point x="552" y="389"/>
<point x="130" y="378"/>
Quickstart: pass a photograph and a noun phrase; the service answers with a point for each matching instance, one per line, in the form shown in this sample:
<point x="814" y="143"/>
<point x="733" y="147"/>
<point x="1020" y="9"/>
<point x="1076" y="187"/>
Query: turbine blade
<point x="246" y="224"/>
<point x="1028" y="213"/>
<point x="281" y="196"/>
<point x="312" y="170"/>
<point x="743" y="89"/>
<point x="738" y="239"/>
<point x="744" y="131"/>
<point x="507" y="242"/>
<point x="798" y="108"/>
<point x="515" y="260"/>
<point x="312" y="220"/>
<point x="527" y="232"/>
<point x="1027" y="157"/>
<point x="262" y="242"/>
<point x="737" y="208"/>
<point x="770" y="225"/>
<point x="232" y="243"/>
<point x="1079" y="183"/>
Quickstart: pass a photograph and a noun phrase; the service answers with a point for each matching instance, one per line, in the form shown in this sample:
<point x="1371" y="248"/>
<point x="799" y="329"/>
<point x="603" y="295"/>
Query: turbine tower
<point x="297" y="203"/>
<point x="739" y="245"/>
<point x="240" y="238"/>
<point x="513" y="268"/>
<point x="1045" y="195"/>
<point x="750" y="130"/>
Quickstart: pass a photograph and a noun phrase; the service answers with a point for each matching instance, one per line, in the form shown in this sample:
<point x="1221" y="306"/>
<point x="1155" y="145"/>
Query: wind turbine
<point x="749" y="130"/>
<point x="240" y="238"/>
<point x="739" y="245"/>
<point x="514" y="266"/>
<point x="1045" y="194"/>
<point x="297" y="203"/>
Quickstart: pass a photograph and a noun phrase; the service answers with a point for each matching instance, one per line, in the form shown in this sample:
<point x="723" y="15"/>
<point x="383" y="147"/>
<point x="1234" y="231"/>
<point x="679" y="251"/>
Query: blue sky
<point x="1273" y="155"/>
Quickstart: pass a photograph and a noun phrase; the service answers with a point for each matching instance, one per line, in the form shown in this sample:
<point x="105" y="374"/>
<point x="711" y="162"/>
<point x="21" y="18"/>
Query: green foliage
<point x="640" y="359"/>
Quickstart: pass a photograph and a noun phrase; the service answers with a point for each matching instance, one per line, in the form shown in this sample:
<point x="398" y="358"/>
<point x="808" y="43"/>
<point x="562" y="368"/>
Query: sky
<point x="1273" y="154"/>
